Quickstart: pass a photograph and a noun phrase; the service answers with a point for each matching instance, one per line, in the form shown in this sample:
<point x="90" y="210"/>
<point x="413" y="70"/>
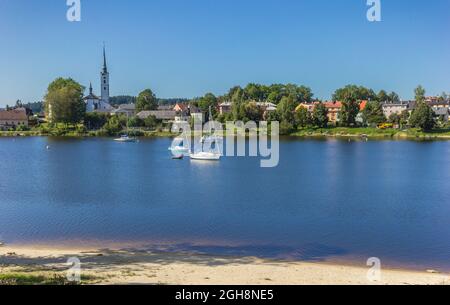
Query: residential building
<point x="127" y="109"/>
<point x="397" y="108"/>
<point x="225" y="108"/>
<point x="13" y="118"/>
<point x="164" y="115"/>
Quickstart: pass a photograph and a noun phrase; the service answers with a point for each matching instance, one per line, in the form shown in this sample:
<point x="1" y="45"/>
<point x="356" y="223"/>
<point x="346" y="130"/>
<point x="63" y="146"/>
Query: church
<point x="95" y="103"/>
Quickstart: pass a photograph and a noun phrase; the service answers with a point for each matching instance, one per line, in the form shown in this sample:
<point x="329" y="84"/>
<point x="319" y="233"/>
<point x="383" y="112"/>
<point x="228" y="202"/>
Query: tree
<point x="393" y="97"/>
<point x="253" y="112"/>
<point x="135" y="121"/>
<point x="151" y="122"/>
<point x="419" y="94"/>
<point x="349" y="109"/>
<point x="373" y="113"/>
<point x="286" y="109"/>
<point x="358" y="93"/>
<point x="209" y="101"/>
<point x="95" y="120"/>
<point x="382" y="96"/>
<point x="146" y="100"/>
<point x="320" y="115"/>
<point x="394" y="118"/>
<point x="423" y="117"/>
<point x="114" y="125"/>
<point x="303" y="117"/>
<point x="64" y="101"/>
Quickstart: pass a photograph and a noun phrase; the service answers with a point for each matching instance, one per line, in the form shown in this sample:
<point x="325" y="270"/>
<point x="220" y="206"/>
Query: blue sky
<point x="185" y="48"/>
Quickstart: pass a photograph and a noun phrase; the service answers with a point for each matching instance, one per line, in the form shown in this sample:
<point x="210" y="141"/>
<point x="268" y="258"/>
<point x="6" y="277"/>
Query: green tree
<point x="114" y="125"/>
<point x="286" y="109"/>
<point x="95" y="120"/>
<point x="320" y="115"/>
<point x="382" y="96"/>
<point x="373" y="113"/>
<point x="209" y="101"/>
<point x="349" y="109"/>
<point x="358" y="93"/>
<point x="303" y="117"/>
<point x="135" y="121"/>
<point x="419" y="94"/>
<point x="393" y="97"/>
<point x="423" y="117"/>
<point x="151" y="122"/>
<point x="146" y="100"/>
<point x="64" y="101"/>
<point x="253" y="112"/>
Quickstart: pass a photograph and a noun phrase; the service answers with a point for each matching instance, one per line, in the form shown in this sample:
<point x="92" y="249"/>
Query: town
<point x="353" y="110"/>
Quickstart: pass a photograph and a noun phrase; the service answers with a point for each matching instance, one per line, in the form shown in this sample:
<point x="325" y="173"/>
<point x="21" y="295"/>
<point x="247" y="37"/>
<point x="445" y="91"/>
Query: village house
<point x="397" y="108"/>
<point x="13" y="118"/>
<point x="266" y="107"/>
<point x="127" y="109"/>
<point x="225" y="108"/>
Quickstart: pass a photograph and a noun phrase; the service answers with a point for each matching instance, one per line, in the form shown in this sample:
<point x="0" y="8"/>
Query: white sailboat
<point x="208" y="155"/>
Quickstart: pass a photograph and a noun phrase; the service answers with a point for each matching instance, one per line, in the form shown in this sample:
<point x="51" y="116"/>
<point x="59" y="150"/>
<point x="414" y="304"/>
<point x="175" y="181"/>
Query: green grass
<point x="40" y="279"/>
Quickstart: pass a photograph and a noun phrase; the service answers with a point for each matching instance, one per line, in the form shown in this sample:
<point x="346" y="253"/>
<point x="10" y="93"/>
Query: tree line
<point x="64" y="101"/>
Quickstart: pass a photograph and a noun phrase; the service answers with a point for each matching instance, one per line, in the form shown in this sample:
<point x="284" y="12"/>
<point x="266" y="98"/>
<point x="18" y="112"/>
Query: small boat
<point x="125" y="138"/>
<point x="179" y="149"/>
<point x="205" y="156"/>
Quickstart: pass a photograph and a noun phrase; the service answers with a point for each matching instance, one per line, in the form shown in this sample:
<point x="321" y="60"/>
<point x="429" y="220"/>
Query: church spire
<point x="105" y="68"/>
<point x="90" y="88"/>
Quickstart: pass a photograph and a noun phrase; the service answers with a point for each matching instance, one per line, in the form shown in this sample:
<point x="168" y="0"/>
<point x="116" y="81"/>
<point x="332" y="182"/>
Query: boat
<point x="179" y="149"/>
<point x="125" y="138"/>
<point x="205" y="156"/>
<point x="178" y="157"/>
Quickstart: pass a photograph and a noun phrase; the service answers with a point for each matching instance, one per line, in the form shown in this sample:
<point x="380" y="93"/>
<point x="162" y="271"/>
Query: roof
<point x="333" y="105"/>
<point x="362" y="105"/>
<point x="159" y="114"/>
<point x="91" y="96"/>
<point x="180" y="107"/>
<point x="165" y="107"/>
<point x="441" y="111"/>
<point x="129" y="107"/>
<point x="19" y="114"/>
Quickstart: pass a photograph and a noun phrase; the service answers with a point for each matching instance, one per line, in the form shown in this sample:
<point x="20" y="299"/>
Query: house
<point x="265" y="107"/>
<point x="308" y="106"/>
<point x="225" y="108"/>
<point x="13" y="118"/>
<point x="127" y="109"/>
<point x="196" y="114"/>
<point x="334" y="108"/>
<point x="397" y="108"/>
<point x="442" y="113"/>
<point x="164" y="115"/>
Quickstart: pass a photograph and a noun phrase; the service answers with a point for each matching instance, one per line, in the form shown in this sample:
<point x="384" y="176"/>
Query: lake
<point x="327" y="199"/>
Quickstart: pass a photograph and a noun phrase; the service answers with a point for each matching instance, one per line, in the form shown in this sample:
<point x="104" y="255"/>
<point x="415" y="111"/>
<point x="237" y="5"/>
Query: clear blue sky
<point x="185" y="48"/>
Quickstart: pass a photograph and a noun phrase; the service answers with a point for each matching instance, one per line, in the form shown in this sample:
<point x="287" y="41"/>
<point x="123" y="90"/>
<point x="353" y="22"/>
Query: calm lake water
<point x="327" y="199"/>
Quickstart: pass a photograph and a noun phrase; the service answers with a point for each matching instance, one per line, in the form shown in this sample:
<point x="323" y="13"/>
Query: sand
<point x="134" y="266"/>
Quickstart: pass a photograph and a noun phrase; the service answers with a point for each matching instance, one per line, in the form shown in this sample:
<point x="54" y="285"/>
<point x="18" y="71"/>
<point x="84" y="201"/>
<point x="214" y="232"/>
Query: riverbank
<point x="44" y="264"/>
<point x="332" y="132"/>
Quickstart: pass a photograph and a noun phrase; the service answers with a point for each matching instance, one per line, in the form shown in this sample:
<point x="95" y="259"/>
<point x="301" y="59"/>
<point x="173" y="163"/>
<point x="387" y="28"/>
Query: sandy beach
<point x="133" y="266"/>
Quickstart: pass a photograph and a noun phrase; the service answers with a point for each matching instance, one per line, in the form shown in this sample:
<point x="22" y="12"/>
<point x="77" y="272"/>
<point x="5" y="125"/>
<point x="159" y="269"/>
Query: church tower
<point x="105" y="79"/>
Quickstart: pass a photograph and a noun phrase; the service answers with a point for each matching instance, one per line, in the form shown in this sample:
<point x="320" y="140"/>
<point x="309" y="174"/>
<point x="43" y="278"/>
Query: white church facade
<point x="95" y="103"/>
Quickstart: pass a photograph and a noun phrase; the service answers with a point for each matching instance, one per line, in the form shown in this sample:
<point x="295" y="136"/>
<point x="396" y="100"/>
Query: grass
<point x="371" y="132"/>
<point x="412" y="133"/>
<point x="21" y="279"/>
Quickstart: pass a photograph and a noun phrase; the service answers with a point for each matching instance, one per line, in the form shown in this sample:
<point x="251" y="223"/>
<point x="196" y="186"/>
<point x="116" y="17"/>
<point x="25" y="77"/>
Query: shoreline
<point x="116" y="265"/>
